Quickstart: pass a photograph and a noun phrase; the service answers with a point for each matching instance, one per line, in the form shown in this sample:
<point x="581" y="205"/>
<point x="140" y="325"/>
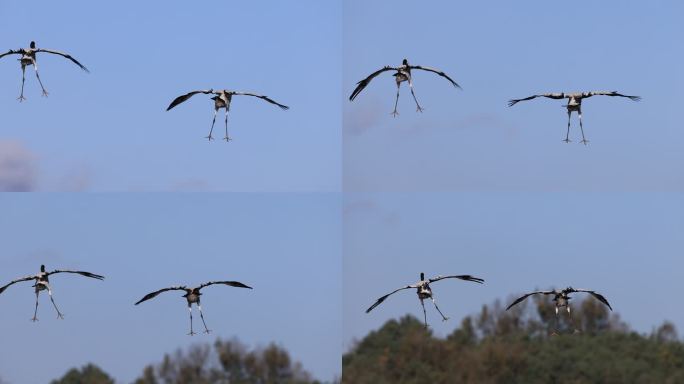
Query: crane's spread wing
<point x="513" y="102"/>
<point x="261" y="97"/>
<point x="11" y="52"/>
<point x="437" y="71"/>
<point x="231" y="283"/>
<point x="610" y="93"/>
<point x="380" y="300"/>
<point x="462" y="277"/>
<point x="363" y="83"/>
<point x="66" y="55"/>
<point x="155" y="293"/>
<point x="27" y="278"/>
<point x="598" y="296"/>
<point x="183" y="98"/>
<point x="523" y="297"/>
<point x="86" y="274"/>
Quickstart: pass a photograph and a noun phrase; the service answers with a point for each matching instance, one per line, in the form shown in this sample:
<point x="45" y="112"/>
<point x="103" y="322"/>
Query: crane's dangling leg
<point x="227" y="139"/>
<point x="424" y="313"/>
<point x="567" y="134"/>
<point x="190" y="309"/>
<point x="396" y="101"/>
<point x="35" y="312"/>
<point x="59" y="314"/>
<point x="23" y="80"/>
<point x="418" y="108"/>
<point x="584" y="141"/>
<point x="554" y="333"/>
<point x="206" y="330"/>
<point x="45" y="93"/>
<point x="444" y="318"/>
<point x="212" y="124"/>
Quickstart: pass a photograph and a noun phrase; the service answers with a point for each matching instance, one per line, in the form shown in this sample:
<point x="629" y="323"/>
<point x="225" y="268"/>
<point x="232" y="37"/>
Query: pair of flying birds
<point x="561" y="298"/>
<point x="192" y="295"/>
<point x="222" y="98"/>
<point x="402" y="74"/>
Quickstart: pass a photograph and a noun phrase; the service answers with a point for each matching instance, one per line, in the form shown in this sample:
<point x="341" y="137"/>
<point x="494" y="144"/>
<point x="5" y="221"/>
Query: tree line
<point x="223" y="362"/>
<point x="522" y="345"/>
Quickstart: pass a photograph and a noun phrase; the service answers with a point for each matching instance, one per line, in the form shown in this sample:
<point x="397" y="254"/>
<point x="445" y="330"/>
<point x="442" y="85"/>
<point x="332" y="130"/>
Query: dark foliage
<point x="523" y="345"/>
<point x="227" y="362"/>
<point x="89" y="374"/>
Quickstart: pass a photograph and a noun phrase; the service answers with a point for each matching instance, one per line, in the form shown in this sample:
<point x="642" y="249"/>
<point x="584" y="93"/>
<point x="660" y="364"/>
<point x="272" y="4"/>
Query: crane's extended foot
<point x="207" y="331"/>
<point x="60" y="316"/>
<point x="445" y="318"/>
<point x="21" y="98"/>
<point x="191" y="333"/>
<point x="394" y="113"/>
<point x="567" y="140"/>
<point x="45" y="93"/>
<point x="209" y="137"/>
<point x="584" y="142"/>
<point x="227" y="139"/>
<point x="419" y="109"/>
<point x="34" y="319"/>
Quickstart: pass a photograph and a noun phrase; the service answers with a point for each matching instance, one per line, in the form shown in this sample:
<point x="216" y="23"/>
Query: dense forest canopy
<point x="223" y="362"/>
<point x="522" y="345"/>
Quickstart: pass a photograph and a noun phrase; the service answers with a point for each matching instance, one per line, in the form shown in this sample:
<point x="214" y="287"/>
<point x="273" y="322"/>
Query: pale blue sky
<point x="625" y="245"/>
<point x="108" y="130"/>
<point x="286" y="246"/>
<point x="471" y="139"/>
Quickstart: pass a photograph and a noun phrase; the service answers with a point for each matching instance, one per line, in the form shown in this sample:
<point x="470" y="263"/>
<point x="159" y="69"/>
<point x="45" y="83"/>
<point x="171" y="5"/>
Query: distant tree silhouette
<point x="517" y="346"/>
<point x="226" y="362"/>
<point x="89" y="374"/>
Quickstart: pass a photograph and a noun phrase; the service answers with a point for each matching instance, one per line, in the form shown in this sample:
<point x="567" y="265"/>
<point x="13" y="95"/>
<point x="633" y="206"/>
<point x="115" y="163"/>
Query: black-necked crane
<point x="28" y="57"/>
<point x="425" y="292"/>
<point x="574" y="104"/>
<point x="561" y="298"/>
<point x="221" y="99"/>
<point x="192" y="296"/>
<point x="402" y="73"/>
<point x="42" y="283"/>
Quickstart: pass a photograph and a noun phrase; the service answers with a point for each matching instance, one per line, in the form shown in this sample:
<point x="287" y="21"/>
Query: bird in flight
<point x="574" y="104"/>
<point x="221" y="99"/>
<point x="425" y="292"/>
<point x="192" y="296"/>
<point x="42" y="283"/>
<point x="28" y="57"/>
<point x="561" y="298"/>
<point x="401" y="73"/>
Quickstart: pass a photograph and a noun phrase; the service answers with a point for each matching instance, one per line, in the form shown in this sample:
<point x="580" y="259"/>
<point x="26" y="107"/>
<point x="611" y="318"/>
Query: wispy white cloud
<point x="17" y="167"/>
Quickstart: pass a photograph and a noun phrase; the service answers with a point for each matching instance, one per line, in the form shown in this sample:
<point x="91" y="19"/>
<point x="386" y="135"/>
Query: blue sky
<point x="471" y="140"/>
<point x="626" y="246"/>
<point x="144" y="242"/>
<point x="108" y="130"/>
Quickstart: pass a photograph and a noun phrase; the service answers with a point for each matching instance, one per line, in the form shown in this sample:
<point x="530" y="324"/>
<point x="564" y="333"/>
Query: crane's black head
<point x="422" y="276"/>
<point x="42" y="268"/>
<point x="405" y="62"/>
<point x="33" y="45"/>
